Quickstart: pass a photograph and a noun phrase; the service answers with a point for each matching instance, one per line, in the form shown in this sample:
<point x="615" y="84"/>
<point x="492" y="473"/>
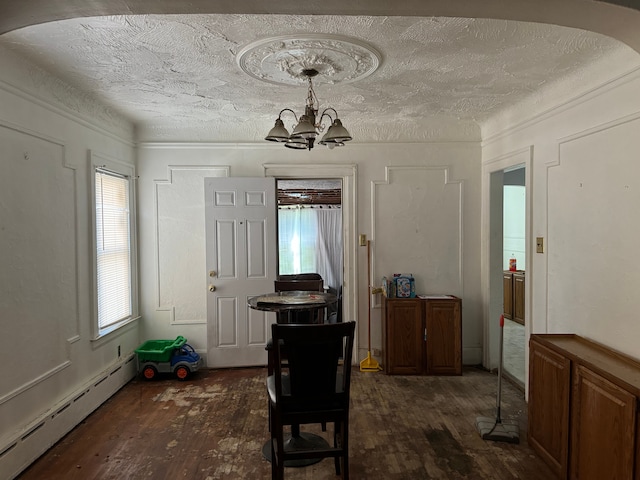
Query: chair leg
<point x="270" y="368"/>
<point x="274" y="460"/>
<point x="277" y="447"/>
<point x="345" y="447"/>
<point x="336" y="444"/>
<point x="340" y="440"/>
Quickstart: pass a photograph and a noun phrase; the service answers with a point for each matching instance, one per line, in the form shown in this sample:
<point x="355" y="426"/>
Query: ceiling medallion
<point x="293" y="59"/>
<point x="283" y="60"/>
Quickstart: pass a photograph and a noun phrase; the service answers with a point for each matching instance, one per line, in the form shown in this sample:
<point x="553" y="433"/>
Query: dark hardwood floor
<point x="213" y="427"/>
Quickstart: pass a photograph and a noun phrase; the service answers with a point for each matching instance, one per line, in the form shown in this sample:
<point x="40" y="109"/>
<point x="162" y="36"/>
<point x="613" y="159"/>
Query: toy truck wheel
<point x="182" y="372"/>
<point x="149" y="372"/>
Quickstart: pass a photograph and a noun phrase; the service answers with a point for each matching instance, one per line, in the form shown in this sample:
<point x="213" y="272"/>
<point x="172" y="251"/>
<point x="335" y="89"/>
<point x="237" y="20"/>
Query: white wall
<point x="418" y="203"/>
<point x="585" y="193"/>
<point x="52" y="374"/>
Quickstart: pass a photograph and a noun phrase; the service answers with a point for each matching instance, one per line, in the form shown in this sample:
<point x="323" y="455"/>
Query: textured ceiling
<point x="177" y="78"/>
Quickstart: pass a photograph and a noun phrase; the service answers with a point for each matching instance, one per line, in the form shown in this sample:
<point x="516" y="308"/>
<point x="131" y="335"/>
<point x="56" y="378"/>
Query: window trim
<point x="100" y="162"/>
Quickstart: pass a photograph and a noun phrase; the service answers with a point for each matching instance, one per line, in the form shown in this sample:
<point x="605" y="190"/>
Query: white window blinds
<point x="113" y="248"/>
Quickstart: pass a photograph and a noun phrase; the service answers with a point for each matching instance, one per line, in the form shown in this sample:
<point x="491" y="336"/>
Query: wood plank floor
<point x="213" y="426"/>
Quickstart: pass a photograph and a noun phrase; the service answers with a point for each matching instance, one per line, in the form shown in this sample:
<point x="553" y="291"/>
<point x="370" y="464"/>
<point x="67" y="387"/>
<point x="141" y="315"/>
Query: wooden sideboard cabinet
<point x="422" y="336"/>
<point x="549" y="386"/>
<point x="513" y="291"/>
<point x="583" y="403"/>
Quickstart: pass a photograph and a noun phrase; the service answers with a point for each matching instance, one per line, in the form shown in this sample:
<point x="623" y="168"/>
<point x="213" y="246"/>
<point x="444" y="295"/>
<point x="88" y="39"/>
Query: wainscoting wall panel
<point x="180" y="242"/>
<point x="38" y="253"/>
<point x="424" y="235"/>
<point x="592" y="260"/>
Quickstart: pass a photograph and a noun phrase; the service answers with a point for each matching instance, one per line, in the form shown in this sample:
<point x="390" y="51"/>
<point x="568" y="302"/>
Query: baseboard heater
<point x="17" y="454"/>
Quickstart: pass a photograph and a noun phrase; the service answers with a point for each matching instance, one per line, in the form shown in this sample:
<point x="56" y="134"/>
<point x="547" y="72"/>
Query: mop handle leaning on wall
<point x="369" y="364"/>
<point x="500" y="366"/>
<point x="369" y="292"/>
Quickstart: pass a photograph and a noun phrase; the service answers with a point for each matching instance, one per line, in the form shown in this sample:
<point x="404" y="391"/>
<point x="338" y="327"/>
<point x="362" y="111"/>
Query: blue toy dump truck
<point x="167" y="356"/>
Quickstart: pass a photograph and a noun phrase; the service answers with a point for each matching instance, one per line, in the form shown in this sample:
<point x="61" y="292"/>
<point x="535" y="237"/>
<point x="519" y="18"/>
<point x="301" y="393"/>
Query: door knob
<point x="212" y="288"/>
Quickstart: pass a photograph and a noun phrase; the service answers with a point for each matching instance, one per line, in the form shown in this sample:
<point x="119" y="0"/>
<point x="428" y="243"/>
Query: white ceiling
<point x="177" y="78"/>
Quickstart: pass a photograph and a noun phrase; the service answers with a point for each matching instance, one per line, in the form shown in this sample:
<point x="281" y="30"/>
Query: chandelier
<point x="310" y="124"/>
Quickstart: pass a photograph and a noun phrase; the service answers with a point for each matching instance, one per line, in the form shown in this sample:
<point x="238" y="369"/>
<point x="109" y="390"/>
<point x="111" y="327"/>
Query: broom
<point x="495" y="429"/>
<point x="369" y="364"/>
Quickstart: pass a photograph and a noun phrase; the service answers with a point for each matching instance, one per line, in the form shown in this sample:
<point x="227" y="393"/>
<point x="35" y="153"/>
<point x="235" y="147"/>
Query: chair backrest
<point x="307" y="285"/>
<point x="300" y="276"/>
<point x="318" y="358"/>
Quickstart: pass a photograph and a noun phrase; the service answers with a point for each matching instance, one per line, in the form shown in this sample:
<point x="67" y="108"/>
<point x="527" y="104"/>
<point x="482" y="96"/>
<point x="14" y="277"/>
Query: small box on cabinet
<point x="405" y="285"/>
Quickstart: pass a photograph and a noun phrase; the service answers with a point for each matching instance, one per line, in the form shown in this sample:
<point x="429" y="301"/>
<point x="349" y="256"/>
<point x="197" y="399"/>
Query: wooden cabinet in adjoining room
<point x="507" y="291"/>
<point x="422" y="336"/>
<point x="518" y="297"/>
<point x="513" y="283"/>
<point x="583" y="403"/>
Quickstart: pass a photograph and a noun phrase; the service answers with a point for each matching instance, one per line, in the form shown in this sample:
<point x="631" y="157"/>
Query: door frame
<point x="491" y="256"/>
<point x="348" y="174"/>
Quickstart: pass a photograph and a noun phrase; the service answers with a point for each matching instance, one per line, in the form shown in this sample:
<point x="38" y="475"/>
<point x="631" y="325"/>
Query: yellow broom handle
<point x="369" y="291"/>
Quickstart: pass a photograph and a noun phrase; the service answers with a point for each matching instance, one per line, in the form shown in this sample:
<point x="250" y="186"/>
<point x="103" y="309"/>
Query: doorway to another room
<point x="507" y="227"/>
<point x="514" y="272"/>
<point x="310" y="232"/>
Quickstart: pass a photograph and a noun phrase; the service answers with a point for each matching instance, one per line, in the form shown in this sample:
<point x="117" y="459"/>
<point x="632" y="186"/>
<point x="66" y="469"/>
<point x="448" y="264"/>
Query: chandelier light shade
<point x="336" y="135"/>
<point x="305" y="128"/>
<point x="310" y="124"/>
<point x="278" y="133"/>
<point x="297" y="143"/>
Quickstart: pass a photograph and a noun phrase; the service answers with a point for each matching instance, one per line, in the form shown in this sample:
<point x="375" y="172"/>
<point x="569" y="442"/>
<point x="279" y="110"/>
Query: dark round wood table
<point x="288" y="304"/>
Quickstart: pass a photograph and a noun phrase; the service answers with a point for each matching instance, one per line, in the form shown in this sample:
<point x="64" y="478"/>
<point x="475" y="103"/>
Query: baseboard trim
<point x="472" y="355"/>
<point x="19" y="451"/>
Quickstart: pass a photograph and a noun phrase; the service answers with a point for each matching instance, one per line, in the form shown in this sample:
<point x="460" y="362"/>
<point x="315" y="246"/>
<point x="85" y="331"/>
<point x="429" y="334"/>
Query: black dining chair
<point x="300" y="276"/>
<point x="315" y="285"/>
<point x="311" y="386"/>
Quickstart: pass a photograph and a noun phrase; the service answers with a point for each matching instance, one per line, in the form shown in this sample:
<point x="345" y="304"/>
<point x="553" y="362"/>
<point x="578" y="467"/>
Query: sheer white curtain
<point x="310" y="240"/>
<point x="329" y="246"/>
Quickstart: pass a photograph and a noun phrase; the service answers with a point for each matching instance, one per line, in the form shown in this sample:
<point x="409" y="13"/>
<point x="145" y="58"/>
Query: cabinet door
<point x="549" y="389"/>
<point x="405" y="354"/>
<point x="507" y="291"/>
<point x="603" y="421"/>
<point x="518" y="297"/>
<point x="444" y="337"/>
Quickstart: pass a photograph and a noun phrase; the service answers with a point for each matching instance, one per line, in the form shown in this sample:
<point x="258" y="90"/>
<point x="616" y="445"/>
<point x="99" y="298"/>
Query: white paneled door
<point x="241" y="262"/>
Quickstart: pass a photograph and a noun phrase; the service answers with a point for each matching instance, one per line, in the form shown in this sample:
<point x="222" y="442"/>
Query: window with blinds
<point x="113" y="248"/>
